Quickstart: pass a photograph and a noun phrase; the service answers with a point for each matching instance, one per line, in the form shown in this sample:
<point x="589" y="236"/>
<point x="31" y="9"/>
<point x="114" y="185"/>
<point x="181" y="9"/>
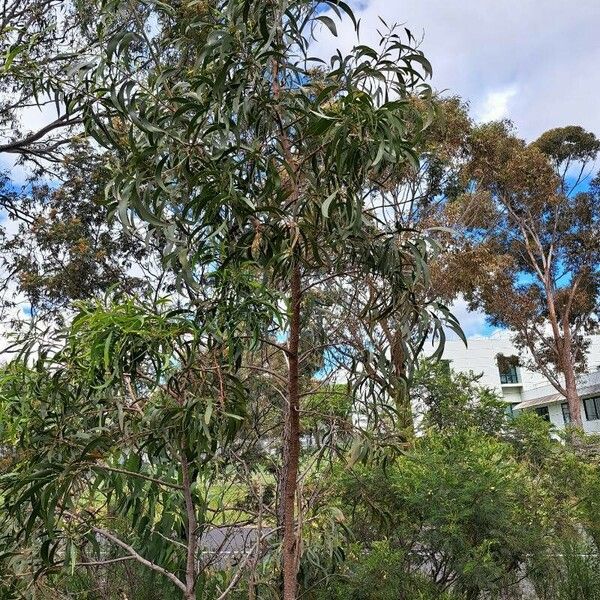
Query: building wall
<point x="479" y="357"/>
<point x="555" y="414"/>
<point x="556" y="418"/>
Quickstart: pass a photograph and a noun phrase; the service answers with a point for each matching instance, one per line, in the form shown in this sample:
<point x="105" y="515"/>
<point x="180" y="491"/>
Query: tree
<point x="58" y="245"/>
<point x="451" y="401"/>
<point x="377" y="348"/>
<point x="529" y="253"/>
<point x="113" y="441"/>
<point x="237" y="148"/>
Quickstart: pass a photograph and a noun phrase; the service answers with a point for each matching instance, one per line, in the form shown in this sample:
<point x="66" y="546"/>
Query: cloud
<point x="535" y="62"/>
<point x="473" y="322"/>
<point x="495" y="106"/>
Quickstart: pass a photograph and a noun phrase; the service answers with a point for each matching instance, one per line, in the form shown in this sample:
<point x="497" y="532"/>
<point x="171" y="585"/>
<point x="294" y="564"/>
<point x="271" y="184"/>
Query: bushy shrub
<point x="463" y="510"/>
<point x="379" y="573"/>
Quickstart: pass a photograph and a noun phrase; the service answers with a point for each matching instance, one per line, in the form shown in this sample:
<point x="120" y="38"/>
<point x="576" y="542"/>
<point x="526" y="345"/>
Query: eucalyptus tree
<point x="240" y="150"/>
<point x="386" y="343"/>
<point x="529" y="255"/>
<point x="57" y="245"/>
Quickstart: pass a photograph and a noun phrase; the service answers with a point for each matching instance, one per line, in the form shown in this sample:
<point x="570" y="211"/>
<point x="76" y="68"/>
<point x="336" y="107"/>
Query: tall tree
<point x="240" y="149"/>
<point x="386" y="343"/>
<point x="530" y="252"/>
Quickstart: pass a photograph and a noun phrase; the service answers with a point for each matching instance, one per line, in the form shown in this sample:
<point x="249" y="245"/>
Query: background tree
<point x="385" y="344"/>
<point x="58" y="245"/>
<point x="448" y="400"/>
<point x="529" y="251"/>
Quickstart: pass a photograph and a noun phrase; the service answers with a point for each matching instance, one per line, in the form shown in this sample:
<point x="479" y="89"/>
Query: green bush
<point x="465" y="511"/>
<point x="377" y="574"/>
<point x="573" y="574"/>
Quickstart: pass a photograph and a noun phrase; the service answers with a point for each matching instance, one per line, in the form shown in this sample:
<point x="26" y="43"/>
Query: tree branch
<point x="20" y="146"/>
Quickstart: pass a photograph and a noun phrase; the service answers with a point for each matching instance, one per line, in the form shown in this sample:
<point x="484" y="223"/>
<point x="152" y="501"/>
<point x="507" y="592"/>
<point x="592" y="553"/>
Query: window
<point x="592" y="408"/>
<point x="566" y="412"/>
<point x="542" y="411"/>
<point x="509" y="374"/>
<point x="507" y="367"/>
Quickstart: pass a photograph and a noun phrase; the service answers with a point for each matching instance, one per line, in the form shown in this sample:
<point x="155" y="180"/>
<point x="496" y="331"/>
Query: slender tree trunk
<point x="401" y="395"/>
<point x="291" y="446"/>
<point x="570" y="378"/>
<point x="191" y="531"/>
<point x="564" y="347"/>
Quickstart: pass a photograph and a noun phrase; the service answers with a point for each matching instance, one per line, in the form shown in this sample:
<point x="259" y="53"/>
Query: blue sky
<point x="532" y="61"/>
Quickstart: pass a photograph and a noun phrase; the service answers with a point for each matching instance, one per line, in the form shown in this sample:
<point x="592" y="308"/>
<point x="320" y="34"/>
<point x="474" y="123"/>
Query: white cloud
<point x="473" y="322"/>
<point x="496" y="105"/>
<point x="531" y="60"/>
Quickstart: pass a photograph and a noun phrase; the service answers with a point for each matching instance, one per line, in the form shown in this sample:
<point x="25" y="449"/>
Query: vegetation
<point x="232" y="254"/>
<point x="529" y="233"/>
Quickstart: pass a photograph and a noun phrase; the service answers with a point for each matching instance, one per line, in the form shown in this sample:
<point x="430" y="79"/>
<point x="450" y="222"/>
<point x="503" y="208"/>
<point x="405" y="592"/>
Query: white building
<point x="522" y="388"/>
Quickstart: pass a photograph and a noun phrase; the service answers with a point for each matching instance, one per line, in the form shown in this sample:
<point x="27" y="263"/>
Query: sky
<point x="535" y="62"/>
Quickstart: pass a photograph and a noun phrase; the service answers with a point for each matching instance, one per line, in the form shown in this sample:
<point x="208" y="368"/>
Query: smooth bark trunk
<point x="564" y="347"/>
<point x="191" y="531"/>
<point x="571" y="380"/>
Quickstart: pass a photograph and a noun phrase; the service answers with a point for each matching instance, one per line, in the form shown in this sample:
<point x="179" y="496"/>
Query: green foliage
<point x="455" y="401"/>
<point x="467" y="510"/>
<point x="565" y="145"/>
<point x="262" y="118"/>
<point x="108" y="433"/>
<point x="573" y="575"/>
<point x="331" y="403"/>
<point x="530" y="436"/>
<point x="590" y="502"/>
<point x="377" y="574"/>
<point x="250" y="165"/>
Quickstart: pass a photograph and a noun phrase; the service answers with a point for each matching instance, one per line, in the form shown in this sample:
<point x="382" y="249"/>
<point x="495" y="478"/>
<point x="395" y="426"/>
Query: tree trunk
<point x="291" y="446"/>
<point x="401" y="393"/>
<point x="191" y="530"/>
<point x="570" y="379"/>
<point x="563" y="345"/>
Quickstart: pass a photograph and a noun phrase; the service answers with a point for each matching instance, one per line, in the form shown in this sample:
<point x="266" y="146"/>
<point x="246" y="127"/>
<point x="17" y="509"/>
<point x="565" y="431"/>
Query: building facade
<point x="495" y="359"/>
